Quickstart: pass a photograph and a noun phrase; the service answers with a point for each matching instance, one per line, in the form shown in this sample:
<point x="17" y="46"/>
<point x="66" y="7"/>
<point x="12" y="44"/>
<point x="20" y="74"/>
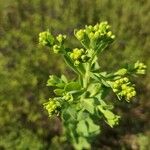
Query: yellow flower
<point x="122" y="87"/>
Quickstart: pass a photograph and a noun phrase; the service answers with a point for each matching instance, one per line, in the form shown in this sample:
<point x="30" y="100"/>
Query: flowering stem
<point x="86" y="77"/>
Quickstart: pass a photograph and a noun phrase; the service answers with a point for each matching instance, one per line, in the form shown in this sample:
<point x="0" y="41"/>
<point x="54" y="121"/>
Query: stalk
<point x="86" y="77"/>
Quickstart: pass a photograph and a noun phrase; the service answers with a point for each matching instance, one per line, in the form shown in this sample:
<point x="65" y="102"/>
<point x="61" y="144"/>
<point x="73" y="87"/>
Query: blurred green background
<point x="25" y="67"/>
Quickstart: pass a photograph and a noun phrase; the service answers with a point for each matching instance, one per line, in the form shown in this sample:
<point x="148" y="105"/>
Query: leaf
<point x="59" y="92"/>
<point x="55" y="81"/>
<point x="82" y="144"/>
<point x="70" y="64"/>
<point x="82" y="115"/>
<point x="105" y="106"/>
<point x="72" y="86"/>
<point x="105" y="83"/>
<point x="86" y="42"/>
<point x="60" y="85"/>
<point x="111" y="118"/>
<point x="104" y="74"/>
<point x="93" y="44"/>
<point x="82" y="128"/>
<point x="96" y="70"/>
<point x="94" y="89"/>
<point x="72" y="112"/>
<point x="95" y="65"/>
<point x="101" y="46"/>
<point x="64" y="79"/>
<point x="69" y="114"/>
<point x="81" y="67"/>
<point x="104" y="92"/>
<point x="92" y="127"/>
<point x="88" y="104"/>
<point x="100" y="78"/>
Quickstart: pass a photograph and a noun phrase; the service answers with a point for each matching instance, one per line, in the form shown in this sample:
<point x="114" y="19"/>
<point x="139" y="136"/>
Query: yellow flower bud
<point x="124" y="88"/>
<point x="96" y="27"/>
<point x="80" y="34"/>
<point x="113" y="37"/>
<point x="77" y="53"/>
<point x="61" y="38"/>
<point x="91" y="35"/>
<point x="96" y="35"/>
<point x="109" y="34"/>
<point x="140" y="68"/>
<point x="46" y="38"/>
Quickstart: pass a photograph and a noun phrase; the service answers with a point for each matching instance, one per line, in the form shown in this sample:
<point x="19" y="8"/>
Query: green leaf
<point x="96" y="70"/>
<point x="104" y="92"/>
<point x="82" y="144"/>
<point x="70" y="64"/>
<point x="81" y="67"/>
<point x="105" y="106"/>
<point x="104" y="74"/>
<point x="82" y="115"/>
<point x="69" y="113"/>
<point x="72" y="86"/>
<point x="55" y="81"/>
<point x="111" y="118"/>
<point x="94" y="89"/>
<point x="92" y="127"/>
<point x="101" y="46"/>
<point x="88" y="104"/>
<point x="59" y="92"/>
<point x="85" y="43"/>
<point x="82" y="128"/>
<point x="101" y="78"/>
<point x="64" y="79"/>
<point x="60" y="85"/>
<point x="105" y="83"/>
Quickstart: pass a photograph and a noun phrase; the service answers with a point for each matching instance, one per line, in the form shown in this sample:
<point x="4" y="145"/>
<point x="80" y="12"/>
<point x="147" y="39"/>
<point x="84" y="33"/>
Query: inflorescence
<point x="94" y="39"/>
<point x="123" y="88"/>
<point x="95" y="36"/>
<point x="140" y="68"/>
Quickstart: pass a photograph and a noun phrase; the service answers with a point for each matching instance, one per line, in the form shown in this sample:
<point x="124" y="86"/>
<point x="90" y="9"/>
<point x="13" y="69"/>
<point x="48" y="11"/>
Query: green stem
<point x="86" y="77"/>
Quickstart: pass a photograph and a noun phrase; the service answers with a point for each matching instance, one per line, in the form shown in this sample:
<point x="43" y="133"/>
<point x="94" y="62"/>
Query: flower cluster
<point x="55" y="81"/>
<point x="51" y="106"/>
<point x="46" y="38"/>
<point x="94" y="36"/>
<point x="59" y="47"/>
<point x="67" y="97"/>
<point x="139" y="67"/>
<point x="79" y="56"/>
<point x="123" y="88"/>
<point x="61" y="38"/>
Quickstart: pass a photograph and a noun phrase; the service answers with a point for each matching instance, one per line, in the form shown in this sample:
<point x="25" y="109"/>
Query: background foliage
<point x="25" y="67"/>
